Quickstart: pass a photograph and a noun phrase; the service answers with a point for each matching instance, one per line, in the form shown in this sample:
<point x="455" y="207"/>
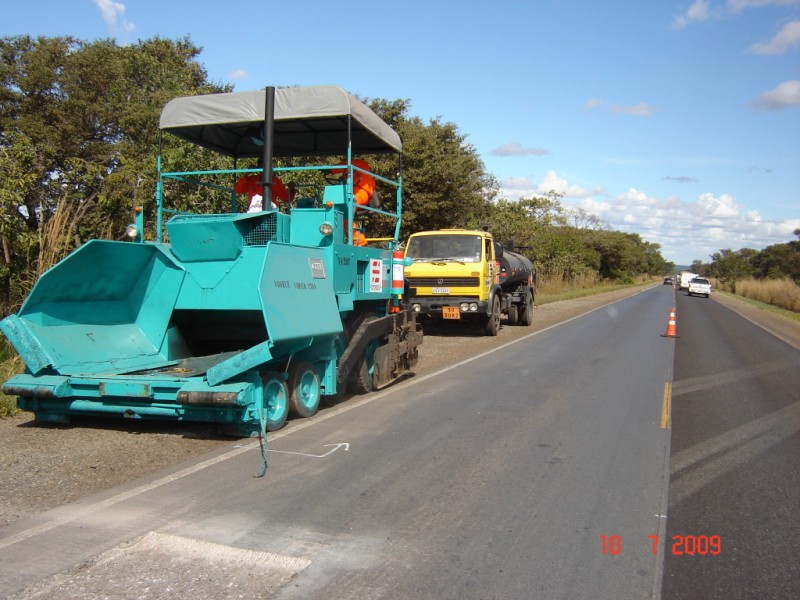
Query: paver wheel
<point x="304" y="390"/>
<point x="276" y="395"/>
<point x="361" y="381"/>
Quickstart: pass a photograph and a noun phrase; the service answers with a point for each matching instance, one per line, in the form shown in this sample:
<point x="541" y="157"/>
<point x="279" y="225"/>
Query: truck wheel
<point x="492" y="324"/>
<point x="513" y="315"/>
<point x="305" y="390"/>
<point x="275" y="400"/>
<point x="526" y="316"/>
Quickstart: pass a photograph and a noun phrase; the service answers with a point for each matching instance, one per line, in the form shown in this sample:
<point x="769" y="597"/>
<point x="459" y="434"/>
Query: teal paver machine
<point x="239" y="318"/>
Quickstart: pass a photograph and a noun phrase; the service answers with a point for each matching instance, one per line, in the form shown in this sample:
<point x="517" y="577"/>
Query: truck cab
<point x="465" y="275"/>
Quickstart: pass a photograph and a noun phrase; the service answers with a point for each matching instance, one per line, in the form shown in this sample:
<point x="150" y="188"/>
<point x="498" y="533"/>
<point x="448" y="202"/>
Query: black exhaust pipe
<point x="269" y="120"/>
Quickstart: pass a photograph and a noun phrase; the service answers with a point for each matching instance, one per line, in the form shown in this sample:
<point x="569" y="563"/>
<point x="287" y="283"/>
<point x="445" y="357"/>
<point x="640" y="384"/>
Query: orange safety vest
<point x="251" y="185"/>
<point x="363" y="183"/>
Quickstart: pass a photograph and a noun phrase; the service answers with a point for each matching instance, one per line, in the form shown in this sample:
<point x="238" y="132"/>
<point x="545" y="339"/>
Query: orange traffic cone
<point x="671" y="325"/>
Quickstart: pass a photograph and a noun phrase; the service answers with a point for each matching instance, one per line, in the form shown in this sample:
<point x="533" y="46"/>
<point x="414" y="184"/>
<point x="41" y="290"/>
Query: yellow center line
<point x="666" y="406"/>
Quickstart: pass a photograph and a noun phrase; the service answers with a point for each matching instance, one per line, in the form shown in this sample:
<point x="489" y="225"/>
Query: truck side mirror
<point x="498" y="250"/>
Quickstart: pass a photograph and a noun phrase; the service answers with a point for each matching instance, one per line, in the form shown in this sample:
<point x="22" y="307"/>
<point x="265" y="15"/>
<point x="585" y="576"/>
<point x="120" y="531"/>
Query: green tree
<point x="624" y="255"/>
<point x="730" y="266"/>
<point x="522" y="221"/>
<point x="779" y="260"/>
<point x="699" y="267"/>
<point x="561" y="254"/>
<point x="656" y="263"/>
<point x="79" y="131"/>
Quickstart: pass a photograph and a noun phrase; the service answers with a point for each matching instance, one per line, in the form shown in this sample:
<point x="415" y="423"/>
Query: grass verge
<point x="572" y="294"/>
<point x="789" y="314"/>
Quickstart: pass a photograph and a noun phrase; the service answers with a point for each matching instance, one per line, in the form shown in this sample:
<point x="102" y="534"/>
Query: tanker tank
<point x="515" y="269"/>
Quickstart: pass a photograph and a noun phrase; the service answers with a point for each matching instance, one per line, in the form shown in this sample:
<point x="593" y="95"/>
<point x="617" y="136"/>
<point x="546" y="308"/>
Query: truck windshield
<point x="458" y="248"/>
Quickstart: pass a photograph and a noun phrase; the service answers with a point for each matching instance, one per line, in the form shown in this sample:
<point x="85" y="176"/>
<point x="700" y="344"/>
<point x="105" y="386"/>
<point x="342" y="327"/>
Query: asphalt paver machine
<point x="238" y="318"/>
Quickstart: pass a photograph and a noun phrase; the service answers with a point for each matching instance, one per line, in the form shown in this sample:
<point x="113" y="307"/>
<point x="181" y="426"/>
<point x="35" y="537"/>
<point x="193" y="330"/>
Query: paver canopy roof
<point x="309" y="120"/>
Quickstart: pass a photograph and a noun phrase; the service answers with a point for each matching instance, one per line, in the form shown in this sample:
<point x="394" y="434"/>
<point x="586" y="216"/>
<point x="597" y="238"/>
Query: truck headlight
<point x="326" y="229"/>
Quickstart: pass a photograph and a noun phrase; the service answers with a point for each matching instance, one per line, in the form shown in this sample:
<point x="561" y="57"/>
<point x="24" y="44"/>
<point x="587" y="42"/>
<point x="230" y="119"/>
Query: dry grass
<point x="8" y="368"/>
<point x="783" y="293"/>
<point x="547" y="292"/>
<point x="57" y="238"/>
<point x="556" y="284"/>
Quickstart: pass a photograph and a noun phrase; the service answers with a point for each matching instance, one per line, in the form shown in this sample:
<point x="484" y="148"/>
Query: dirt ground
<point x="45" y="465"/>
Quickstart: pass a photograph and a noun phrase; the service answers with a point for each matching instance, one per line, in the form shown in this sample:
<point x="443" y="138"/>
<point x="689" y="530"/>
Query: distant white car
<point x="700" y="286"/>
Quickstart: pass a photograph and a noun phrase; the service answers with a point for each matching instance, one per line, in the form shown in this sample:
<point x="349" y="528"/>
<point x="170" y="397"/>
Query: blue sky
<point x="677" y="120"/>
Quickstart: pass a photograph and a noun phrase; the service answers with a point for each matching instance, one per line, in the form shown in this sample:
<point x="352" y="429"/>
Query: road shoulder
<point x="781" y="327"/>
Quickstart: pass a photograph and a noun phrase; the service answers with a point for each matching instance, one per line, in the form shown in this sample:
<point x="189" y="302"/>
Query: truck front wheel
<point x="492" y="324"/>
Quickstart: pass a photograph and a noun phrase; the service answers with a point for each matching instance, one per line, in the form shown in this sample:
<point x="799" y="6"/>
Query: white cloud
<point x="681" y="178"/>
<point x="785" y="95"/>
<point x="553" y="182"/>
<point x="696" y="229"/>
<point x="113" y="15"/>
<point x="697" y="12"/>
<point x="514" y="188"/>
<point x="737" y="6"/>
<point x="701" y="10"/>
<point x="788" y="36"/>
<point x="238" y="74"/>
<point x="515" y="149"/>
<point x="723" y="207"/>
<point x="685" y="230"/>
<point x="641" y="110"/>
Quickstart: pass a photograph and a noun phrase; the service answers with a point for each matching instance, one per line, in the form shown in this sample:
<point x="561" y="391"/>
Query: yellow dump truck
<point x="465" y="275"/>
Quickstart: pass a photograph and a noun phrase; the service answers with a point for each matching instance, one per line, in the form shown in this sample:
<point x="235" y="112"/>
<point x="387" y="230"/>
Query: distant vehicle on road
<point x="685" y="278"/>
<point x="700" y="286"/>
<point x="668" y="281"/>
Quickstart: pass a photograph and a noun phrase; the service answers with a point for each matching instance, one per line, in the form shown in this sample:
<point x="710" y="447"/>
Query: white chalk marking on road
<point x="344" y="445"/>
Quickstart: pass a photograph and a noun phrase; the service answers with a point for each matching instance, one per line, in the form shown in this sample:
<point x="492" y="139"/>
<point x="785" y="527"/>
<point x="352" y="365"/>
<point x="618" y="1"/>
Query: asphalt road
<point x="735" y="464"/>
<point x="539" y="470"/>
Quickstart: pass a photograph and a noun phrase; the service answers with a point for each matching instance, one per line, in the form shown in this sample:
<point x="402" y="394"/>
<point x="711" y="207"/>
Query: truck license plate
<point x="451" y="312"/>
<point x="440" y="290"/>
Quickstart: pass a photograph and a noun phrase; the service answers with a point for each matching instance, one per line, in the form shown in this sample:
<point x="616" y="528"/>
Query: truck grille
<point x="444" y="281"/>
